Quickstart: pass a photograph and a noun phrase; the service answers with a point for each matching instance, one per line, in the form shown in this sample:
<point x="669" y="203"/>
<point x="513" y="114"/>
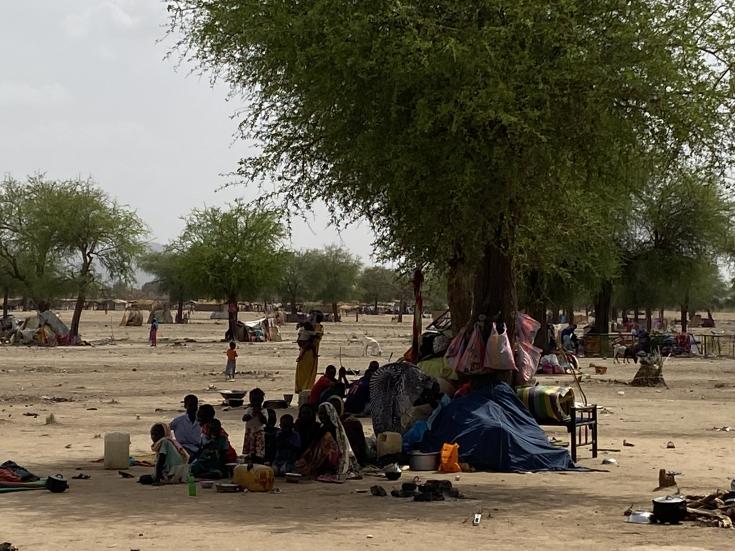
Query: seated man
<point x="186" y="428"/>
<point x="329" y="379"/>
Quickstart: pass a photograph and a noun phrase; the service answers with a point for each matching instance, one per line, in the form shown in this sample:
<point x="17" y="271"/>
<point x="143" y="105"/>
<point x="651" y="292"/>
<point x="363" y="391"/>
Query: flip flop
<point x="81" y="476"/>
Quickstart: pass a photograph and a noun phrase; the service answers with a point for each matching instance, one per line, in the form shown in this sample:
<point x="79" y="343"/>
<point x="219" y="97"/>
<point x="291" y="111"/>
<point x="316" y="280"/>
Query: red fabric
<point x="231" y="456"/>
<point x="320" y="386"/>
<point x="464" y="390"/>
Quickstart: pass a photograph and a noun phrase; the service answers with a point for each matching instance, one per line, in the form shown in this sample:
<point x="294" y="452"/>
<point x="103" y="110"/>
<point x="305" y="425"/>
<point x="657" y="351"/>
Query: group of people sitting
<point x="323" y="442"/>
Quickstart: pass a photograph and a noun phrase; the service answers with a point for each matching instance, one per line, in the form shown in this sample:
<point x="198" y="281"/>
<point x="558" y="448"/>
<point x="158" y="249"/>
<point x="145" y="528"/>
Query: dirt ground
<point x="120" y="384"/>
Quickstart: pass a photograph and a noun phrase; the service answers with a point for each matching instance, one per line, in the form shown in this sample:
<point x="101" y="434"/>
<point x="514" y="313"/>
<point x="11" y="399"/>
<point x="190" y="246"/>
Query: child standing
<point x="288" y="447"/>
<point x="254" y="442"/>
<point x="231" y="361"/>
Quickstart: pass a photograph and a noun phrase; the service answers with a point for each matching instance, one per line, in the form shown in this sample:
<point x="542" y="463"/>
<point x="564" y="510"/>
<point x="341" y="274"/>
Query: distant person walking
<point x="153" y="335"/>
<point x="231" y="361"/>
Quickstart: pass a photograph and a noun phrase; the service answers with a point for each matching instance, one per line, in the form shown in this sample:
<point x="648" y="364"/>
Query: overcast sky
<point x="85" y="91"/>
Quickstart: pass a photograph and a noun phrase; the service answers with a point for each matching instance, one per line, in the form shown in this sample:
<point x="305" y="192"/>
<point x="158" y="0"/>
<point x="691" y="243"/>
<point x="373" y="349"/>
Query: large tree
<point x="232" y="253"/>
<point x="448" y="124"/>
<point x="100" y="238"/>
<point x="294" y="284"/>
<point x="31" y="247"/>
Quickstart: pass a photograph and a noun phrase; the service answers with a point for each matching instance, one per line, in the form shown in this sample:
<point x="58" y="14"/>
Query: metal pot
<point x="669" y="509"/>
<point x="57" y="483"/>
<point x="420" y="461"/>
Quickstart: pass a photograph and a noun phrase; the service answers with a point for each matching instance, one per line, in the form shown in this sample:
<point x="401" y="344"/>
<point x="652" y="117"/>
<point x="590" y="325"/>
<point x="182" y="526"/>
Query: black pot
<point x="57" y="483"/>
<point x="669" y="509"/>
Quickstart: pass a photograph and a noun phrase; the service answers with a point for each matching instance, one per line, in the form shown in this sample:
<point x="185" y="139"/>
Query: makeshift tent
<point x="132" y="318"/>
<point x="260" y="330"/>
<point x="162" y="315"/>
<point x="45" y="328"/>
<point x="495" y="432"/>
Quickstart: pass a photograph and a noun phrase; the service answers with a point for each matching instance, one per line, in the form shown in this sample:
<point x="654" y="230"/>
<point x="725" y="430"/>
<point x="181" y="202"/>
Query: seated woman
<point x="212" y="461"/>
<point x="307" y="427"/>
<point x="354" y="430"/>
<point x="330" y="457"/>
<point x="359" y="395"/>
<point x="172" y="461"/>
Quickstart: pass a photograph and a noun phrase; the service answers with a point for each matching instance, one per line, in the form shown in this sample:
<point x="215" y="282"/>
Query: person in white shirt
<point x="186" y="428"/>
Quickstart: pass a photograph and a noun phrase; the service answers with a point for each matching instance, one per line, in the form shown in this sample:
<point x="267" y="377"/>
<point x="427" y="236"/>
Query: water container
<point x="256" y="478"/>
<point x="389" y="443"/>
<point x="117" y="450"/>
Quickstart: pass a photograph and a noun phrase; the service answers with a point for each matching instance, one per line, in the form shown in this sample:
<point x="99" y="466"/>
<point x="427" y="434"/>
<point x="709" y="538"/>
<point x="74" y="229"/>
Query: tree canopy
<point x="461" y="130"/>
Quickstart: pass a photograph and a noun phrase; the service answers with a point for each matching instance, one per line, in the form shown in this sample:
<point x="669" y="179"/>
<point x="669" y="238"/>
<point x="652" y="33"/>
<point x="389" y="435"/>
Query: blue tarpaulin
<point x="495" y="432"/>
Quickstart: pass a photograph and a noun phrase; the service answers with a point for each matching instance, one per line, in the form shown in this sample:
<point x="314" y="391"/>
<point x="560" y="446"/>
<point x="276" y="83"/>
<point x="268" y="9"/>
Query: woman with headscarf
<point x="307" y="363"/>
<point x="353" y="428"/>
<point x="330" y="458"/>
<point x="394" y="388"/>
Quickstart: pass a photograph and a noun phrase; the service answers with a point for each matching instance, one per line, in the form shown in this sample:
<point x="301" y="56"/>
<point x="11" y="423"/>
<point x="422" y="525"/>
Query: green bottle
<point x="192" y="486"/>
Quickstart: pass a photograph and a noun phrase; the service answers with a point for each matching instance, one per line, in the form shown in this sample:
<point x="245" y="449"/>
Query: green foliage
<point x="231" y="253"/>
<point x="169" y="269"/>
<point x="450" y="124"/>
<point x="332" y="273"/>
<point x="295" y="285"/>
<point x="377" y="284"/>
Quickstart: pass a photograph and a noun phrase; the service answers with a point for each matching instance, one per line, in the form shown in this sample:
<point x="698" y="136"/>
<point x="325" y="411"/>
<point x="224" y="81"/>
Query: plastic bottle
<point x="191" y="483"/>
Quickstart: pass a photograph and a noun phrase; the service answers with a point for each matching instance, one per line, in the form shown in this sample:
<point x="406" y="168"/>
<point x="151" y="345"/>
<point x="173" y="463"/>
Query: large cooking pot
<point x="420" y="461"/>
<point x="669" y="509"/>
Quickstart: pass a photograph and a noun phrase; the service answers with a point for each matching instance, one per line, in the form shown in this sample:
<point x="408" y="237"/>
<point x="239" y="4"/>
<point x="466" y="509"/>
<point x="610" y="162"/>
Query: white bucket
<point x="117" y="450"/>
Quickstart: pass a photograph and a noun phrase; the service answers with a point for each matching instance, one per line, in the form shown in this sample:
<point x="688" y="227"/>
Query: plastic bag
<point x="471" y="361"/>
<point x="498" y="353"/>
<point x="527" y="359"/>
<point x="456" y="349"/>
<point x="449" y="459"/>
<point x="526" y="328"/>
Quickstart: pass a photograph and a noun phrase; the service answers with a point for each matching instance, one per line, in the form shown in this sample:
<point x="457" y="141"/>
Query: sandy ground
<point x="123" y="385"/>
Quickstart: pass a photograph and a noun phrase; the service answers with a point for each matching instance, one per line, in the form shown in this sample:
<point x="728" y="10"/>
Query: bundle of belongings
<point x="43" y="329"/>
<point x="14" y="478"/>
<point x="495" y="432"/>
<point x="547" y="404"/>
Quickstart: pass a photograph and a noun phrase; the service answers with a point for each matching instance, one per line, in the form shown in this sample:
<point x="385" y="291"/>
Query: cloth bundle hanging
<point x="527" y="356"/>
<point x="456" y="349"/>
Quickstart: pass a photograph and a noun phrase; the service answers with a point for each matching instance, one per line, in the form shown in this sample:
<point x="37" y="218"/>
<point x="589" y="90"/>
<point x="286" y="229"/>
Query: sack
<point x="527" y="358"/>
<point x="471" y="361"/>
<point x="456" y="349"/>
<point x="499" y="354"/>
<point x="450" y="459"/>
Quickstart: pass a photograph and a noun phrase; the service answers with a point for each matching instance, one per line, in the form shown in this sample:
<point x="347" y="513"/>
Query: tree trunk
<point x="613" y="314"/>
<point x="77" y="315"/>
<point x="684" y="314"/>
<point x="555" y="316"/>
<point x="232" y="317"/>
<point x="569" y="313"/>
<point x="180" y="311"/>
<point x="459" y="293"/>
<point x="495" y="288"/>
<point x="375" y="304"/>
<point x="335" y="311"/>
<point x="649" y="319"/>
<point x="661" y="317"/>
<point x="401" y="308"/>
<point x="602" y="308"/>
<point x="636" y="315"/>
<point x="6" y="293"/>
<point x="294" y="310"/>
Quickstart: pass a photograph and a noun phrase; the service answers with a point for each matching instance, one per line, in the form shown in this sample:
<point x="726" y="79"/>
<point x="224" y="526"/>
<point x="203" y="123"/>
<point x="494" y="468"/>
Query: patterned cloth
<point x="393" y="390"/>
<point x="547" y="403"/>
<point x="254" y="443"/>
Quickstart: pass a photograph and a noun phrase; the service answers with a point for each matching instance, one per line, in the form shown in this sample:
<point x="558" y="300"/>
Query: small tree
<point x="98" y="235"/>
<point x="377" y="284"/>
<point x="232" y="253"/>
<point x="169" y="269"/>
<point x="334" y="272"/>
